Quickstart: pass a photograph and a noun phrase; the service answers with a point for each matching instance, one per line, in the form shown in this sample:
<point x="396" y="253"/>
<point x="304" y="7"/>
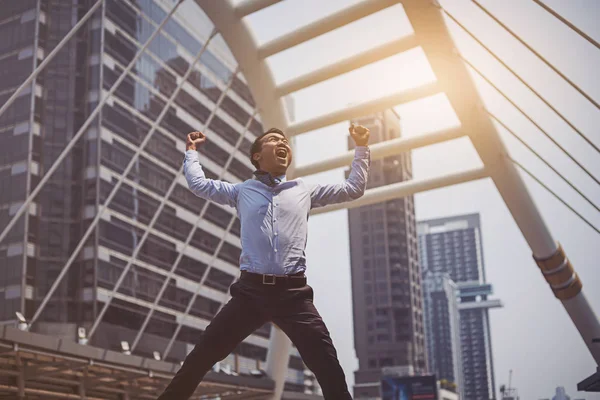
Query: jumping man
<point x="272" y="286"/>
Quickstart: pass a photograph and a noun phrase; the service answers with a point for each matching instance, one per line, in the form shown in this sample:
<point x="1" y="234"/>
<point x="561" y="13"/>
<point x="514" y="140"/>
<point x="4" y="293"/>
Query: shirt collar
<point x="267" y="179"/>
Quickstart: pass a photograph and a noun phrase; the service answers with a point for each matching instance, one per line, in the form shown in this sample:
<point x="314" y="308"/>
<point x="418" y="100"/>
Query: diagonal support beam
<point x="408" y="188"/>
<point x="429" y="24"/>
<point x="359" y="110"/>
<point x="324" y="25"/>
<point x="248" y="7"/>
<point x="348" y="64"/>
<point x="382" y="150"/>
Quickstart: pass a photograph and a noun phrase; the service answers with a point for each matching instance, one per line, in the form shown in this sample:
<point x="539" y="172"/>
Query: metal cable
<point x="567" y="23"/>
<point x="543" y="160"/>
<point x="522" y="80"/>
<point x="552" y="67"/>
<point x="535" y="178"/>
<point x="531" y="120"/>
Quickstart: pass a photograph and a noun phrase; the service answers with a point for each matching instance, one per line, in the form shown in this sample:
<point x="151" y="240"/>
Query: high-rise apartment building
<point x="386" y="278"/>
<point x="442" y="327"/>
<point x="453" y="246"/>
<point x="38" y="126"/>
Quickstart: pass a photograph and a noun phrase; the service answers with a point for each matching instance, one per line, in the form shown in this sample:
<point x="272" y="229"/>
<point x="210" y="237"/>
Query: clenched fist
<point x="359" y="134"/>
<point x="195" y="140"/>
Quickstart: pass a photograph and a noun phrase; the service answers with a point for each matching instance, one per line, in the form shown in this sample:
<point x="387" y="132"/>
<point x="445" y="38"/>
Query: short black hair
<point x="257" y="145"/>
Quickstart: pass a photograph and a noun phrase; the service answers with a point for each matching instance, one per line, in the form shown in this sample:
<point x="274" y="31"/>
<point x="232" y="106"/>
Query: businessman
<point x="272" y="286"/>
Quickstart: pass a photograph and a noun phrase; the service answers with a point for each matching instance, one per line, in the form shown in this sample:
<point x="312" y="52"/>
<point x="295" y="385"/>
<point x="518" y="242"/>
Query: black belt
<point x="296" y="280"/>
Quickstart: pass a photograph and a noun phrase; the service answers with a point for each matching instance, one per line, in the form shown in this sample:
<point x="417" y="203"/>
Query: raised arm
<point x="210" y="189"/>
<point x="353" y="187"/>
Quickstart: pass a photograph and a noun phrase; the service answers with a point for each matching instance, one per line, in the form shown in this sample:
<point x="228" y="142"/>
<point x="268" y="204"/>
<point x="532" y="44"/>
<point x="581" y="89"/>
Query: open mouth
<point x="281" y="153"/>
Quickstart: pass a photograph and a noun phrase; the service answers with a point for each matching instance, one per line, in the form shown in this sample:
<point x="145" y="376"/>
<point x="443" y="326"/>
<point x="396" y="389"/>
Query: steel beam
<point x="381" y="150"/>
<point x="363" y="109"/>
<point x="248" y="7"/>
<point x="407" y="188"/>
<point x="324" y="25"/>
<point x="348" y="64"/>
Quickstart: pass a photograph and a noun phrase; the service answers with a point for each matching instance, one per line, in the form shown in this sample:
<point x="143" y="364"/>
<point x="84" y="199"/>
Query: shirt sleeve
<point x="218" y="191"/>
<point x="351" y="189"/>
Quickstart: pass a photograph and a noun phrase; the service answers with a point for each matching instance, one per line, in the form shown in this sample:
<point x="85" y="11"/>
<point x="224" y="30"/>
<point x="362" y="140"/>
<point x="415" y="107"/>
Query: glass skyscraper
<point x="453" y="246"/>
<point x="197" y="272"/>
<point x="442" y="327"/>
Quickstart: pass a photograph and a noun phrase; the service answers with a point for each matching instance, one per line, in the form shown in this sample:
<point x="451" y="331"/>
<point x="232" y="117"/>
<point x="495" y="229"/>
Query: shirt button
<point x="275" y="250"/>
<point x="276" y="234"/>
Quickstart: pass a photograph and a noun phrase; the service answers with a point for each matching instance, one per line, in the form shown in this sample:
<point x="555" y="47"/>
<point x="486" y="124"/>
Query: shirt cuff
<point x="191" y="155"/>
<point x="362" y="152"/>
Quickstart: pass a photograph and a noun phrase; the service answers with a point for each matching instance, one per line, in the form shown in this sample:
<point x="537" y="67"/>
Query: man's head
<point x="271" y="152"/>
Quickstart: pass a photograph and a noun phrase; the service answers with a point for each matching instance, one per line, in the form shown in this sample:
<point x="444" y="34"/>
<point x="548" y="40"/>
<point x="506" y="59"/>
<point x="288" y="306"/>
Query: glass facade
<point x="192" y="247"/>
<point x="454" y="246"/>
<point x="442" y="328"/>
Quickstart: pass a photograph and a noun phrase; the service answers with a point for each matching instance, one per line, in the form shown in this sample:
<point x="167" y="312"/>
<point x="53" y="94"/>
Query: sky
<point x="532" y="335"/>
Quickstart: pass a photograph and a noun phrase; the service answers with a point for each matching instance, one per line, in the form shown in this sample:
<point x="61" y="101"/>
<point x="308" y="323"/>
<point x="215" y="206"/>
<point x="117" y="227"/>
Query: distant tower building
<point x="386" y="279"/>
<point x="442" y="328"/>
<point x="453" y="245"/>
<point x="561" y="394"/>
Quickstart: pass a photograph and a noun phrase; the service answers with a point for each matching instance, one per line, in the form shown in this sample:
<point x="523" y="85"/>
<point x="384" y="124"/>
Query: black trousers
<point x="251" y="306"/>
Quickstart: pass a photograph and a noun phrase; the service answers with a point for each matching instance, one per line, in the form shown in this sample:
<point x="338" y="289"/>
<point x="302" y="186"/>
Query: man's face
<point x="275" y="155"/>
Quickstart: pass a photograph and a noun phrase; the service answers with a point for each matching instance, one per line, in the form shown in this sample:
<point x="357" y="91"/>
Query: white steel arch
<point x="432" y="34"/>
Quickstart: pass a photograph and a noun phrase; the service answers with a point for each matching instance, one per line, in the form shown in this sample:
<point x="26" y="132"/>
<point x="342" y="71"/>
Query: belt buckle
<point x="267" y="282"/>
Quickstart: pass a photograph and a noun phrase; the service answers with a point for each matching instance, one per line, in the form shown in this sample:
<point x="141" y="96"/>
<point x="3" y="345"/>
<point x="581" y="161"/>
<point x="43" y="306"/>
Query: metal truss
<point x="431" y="33"/>
<point x="36" y="366"/>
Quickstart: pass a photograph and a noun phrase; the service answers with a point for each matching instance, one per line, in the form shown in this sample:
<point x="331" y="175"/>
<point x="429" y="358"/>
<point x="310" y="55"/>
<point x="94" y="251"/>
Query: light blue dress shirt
<point x="274" y="220"/>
